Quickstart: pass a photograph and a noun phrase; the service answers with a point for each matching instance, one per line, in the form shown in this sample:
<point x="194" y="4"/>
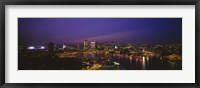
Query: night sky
<point x="41" y="31"/>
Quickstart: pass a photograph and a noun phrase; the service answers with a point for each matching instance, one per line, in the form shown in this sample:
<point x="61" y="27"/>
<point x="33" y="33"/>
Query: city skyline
<point x="41" y="31"/>
<point x="99" y="43"/>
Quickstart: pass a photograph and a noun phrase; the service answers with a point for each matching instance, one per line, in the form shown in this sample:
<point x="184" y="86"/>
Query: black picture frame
<point x="98" y="2"/>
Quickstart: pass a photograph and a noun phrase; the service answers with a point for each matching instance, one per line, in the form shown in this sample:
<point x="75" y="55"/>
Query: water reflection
<point x="143" y="63"/>
<point x="130" y="58"/>
<point x="131" y="62"/>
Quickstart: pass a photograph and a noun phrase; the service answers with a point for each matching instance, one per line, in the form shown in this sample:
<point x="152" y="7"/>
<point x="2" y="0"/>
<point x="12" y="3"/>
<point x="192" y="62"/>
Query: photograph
<point x="99" y="43"/>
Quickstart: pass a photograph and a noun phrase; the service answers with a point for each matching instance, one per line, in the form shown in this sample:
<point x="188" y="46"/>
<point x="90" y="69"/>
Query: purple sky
<point x="41" y="31"/>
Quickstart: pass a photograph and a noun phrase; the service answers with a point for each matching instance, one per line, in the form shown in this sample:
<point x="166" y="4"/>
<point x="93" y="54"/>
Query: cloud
<point x="119" y="36"/>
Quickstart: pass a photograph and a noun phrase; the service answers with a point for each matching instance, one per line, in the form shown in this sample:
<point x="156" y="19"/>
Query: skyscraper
<point x="64" y="46"/>
<point x="93" y="45"/>
<point x="85" y="44"/>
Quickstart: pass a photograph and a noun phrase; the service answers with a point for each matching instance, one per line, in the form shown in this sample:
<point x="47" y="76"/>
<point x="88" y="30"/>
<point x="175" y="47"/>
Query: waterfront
<point x="98" y="60"/>
<point x="100" y="43"/>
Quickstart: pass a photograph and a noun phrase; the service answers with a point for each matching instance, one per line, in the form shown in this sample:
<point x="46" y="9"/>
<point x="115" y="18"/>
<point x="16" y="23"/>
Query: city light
<point x="64" y="46"/>
<point x="116" y="47"/>
<point x="101" y="56"/>
<point x="105" y="44"/>
<point x="31" y="47"/>
<point x="42" y="47"/>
